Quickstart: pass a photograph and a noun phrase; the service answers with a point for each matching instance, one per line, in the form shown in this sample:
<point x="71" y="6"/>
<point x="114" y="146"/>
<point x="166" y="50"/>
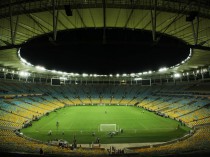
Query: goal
<point x="108" y="127"/>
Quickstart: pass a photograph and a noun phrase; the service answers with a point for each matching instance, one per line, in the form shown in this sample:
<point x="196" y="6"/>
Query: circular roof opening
<point x="115" y="50"/>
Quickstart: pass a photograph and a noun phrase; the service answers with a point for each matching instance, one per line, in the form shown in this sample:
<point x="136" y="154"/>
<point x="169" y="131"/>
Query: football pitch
<point x="80" y="122"/>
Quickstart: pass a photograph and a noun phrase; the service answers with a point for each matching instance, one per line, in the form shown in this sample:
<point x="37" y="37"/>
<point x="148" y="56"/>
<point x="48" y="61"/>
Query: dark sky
<point x="125" y="51"/>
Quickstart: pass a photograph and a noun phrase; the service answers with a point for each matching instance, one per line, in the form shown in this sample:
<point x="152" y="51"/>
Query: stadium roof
<point x="23" y="20"/>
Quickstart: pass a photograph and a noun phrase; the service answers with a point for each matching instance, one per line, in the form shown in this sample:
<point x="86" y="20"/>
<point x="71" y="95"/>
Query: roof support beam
<point x="104" y="22"/>
<point x="6" y="39"/>
<point x="55" y="20"/>
<point x="13" y="29"/>
<point x="140" y="20"/>
<point x="153" y="19"/>
<point x="59" y="21"/>
<point x="19" y="33"/>
<point x="11" y="24"/>
<point x="9" y="47"/>
<point x="126" y="24"/>
<point x="204" y="42"/>
<point x="188" y="35"/>
<point x="74" y="25"/>
<point x="40" y="20"/>
<point x="131" y="13"/>
<point x="35" y="21"/>
<point x="179" y="30"/>
<point x="118" y="15"/>
<point x="200" y="47"/>
<point x="16" y="26"/>
<point x="176" y="18"/>
<point x="5" y="42"/>
<point x="195" y="28"/>
<point x="81" y="18"/>
<point x="30" y="29"/>
<point x="91" y="15"/>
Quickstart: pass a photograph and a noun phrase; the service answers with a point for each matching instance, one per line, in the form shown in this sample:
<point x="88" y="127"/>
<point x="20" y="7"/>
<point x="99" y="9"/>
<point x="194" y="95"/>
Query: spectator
<point x="41" y="152"/>
<point x="50" y="132"/>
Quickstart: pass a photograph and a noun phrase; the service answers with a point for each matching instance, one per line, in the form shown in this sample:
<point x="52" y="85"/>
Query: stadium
<point x="48" y="112"/>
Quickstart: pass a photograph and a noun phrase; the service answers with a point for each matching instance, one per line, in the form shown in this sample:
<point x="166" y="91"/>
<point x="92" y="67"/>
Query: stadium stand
<point x="24" y="106"/>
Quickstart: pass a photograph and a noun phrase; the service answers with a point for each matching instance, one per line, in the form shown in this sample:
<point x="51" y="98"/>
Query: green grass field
<point x="138" y="125"/>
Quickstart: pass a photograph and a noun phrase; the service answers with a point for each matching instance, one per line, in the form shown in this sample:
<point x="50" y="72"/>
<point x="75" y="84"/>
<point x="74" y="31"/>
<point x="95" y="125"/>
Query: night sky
<point x="125" y="51"/>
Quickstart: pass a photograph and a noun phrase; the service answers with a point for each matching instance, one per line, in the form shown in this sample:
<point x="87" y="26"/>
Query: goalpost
<point x="108" y="127"/>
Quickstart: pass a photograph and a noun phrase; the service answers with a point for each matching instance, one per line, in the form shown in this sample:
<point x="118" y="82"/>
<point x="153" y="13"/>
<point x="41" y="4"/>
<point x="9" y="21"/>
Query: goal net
<point x="108" y="127"/>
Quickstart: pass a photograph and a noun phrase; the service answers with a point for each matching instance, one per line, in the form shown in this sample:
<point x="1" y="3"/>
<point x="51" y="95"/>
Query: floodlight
<point x="117" y="75"/>
<point x="190" y="52"/>
<point x="65" y="73"/>
<point x="132" y="74"/>
<point x="38" y="67"/>
<point x="71" y="74"/>
<point x="110" y="75"/>
<point x="54" y="71"/>
<point x="62" y="78"/>
<point x="204" y="70"/>
<point x="177" y="75"/>
<point x="24" y="74"/>
<point x="138" y="78"/>
<point x="23" y="60"/>
<point x="163" y="69"/>
<point x="124" y="75"/>
<point x="59" y="72"/>
<point x="84" y="75"/>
